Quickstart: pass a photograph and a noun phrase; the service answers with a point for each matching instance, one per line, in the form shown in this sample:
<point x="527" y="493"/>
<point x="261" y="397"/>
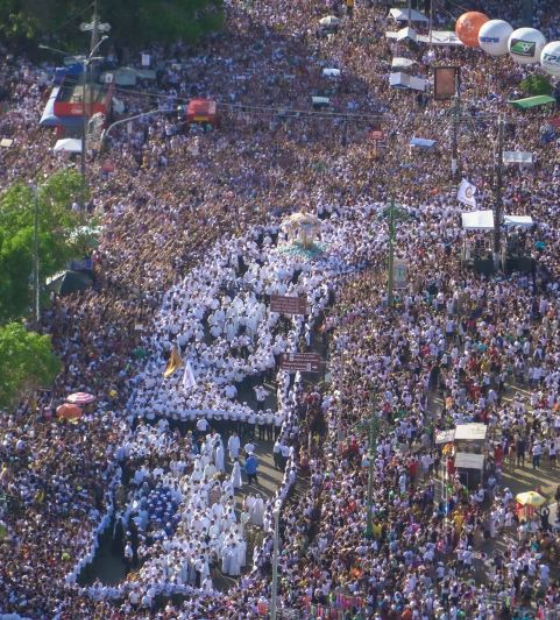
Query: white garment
<point x="236" y="479"/>
<point x="257" y="511"/>
<point x="234" y="446"/>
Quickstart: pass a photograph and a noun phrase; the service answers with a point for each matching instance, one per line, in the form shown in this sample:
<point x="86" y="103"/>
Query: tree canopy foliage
<point x="27" y="362"/>
<point x="134" y="22"/>
<point x="537" y="85"/>
<point x="57" y="244"/>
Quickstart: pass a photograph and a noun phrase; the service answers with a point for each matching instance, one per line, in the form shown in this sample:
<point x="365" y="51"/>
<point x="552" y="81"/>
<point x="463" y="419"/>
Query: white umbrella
<point x="68" y="145"/>
<point x="330" y="20"/>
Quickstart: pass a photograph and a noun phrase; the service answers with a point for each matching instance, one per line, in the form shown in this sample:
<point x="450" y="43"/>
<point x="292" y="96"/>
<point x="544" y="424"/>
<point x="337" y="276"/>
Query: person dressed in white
<point x="220" y="458"/>
<point x="236" y="479"/>
<point x="257" y="511"/>
<point x="234" y="445"/>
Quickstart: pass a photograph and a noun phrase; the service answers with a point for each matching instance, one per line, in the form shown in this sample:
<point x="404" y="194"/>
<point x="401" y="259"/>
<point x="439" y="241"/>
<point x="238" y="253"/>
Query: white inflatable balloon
<point x="493" y="37"/>
<point x="550" y="58"/>
<point x="525" y="45"/>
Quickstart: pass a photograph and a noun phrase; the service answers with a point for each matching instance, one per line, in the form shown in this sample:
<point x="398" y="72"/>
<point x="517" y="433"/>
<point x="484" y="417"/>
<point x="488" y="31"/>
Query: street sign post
<point x="288" y="305"/>
<point x="301" y="362"/>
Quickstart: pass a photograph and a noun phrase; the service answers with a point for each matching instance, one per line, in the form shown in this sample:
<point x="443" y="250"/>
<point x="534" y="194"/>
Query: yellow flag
<point x="174" y="363"/>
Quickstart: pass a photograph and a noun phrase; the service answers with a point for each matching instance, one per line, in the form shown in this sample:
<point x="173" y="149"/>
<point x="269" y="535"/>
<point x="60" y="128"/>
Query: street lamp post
<point x="274" y="585"/>
<point x="499" y="164"/>
<point x="373" y="433"/>
<point x="105" y="133"/>
<point x="391" y="283"/>
<point x="36" y="257"/>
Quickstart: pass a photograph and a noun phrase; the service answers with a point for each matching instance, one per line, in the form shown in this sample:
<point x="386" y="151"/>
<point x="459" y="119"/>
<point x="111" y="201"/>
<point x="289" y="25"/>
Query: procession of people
<point x="179" y="345"/>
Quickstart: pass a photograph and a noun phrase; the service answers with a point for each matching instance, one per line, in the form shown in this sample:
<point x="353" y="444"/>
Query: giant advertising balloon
<point x="494" y="36"/>
<point x="550" y="58"/>
<point x="468" y="27"/>
<point x="525" y="45"/>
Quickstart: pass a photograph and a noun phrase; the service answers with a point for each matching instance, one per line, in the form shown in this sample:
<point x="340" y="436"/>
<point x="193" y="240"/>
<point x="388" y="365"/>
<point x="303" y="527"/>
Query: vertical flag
<point x="466" y="194"/>
<point x="189" y="380"/>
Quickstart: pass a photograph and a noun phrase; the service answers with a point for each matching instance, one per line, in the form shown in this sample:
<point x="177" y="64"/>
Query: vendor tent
<point x="471" y="432"/>
<point x="407" y="82"/>
<point x="469" y="467"/>
<point x="402" y="63"/>
<point x="423" y="143"/>
<point x="407" y="33"/>
<point x="478" y="220"/>
<point x="68" y="145"/>
<point x="402" y="15"/>
<point x="521" y="221"/>
<point x="532" y="102"/>
<point x="67" y="282"/>
<point x="518" y="157"/>
<point x="331" y="72"/>
<point x="436" y="37"/>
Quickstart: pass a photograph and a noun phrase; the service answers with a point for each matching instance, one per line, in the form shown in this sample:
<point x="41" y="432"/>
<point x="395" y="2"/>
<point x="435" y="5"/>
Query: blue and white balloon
<point x="494" y="36"/>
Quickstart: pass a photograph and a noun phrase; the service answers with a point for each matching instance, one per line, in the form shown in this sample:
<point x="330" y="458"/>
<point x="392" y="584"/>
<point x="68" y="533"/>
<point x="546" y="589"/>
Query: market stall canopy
<point x="478" y="220"/>
<point x="407" y="33"/>
<point x="521" y="221"/>
<point x="518" y="157"/>
<point x="471" y="432"/>
<point x="402" y="15"/>
<point x="423" y="143"/>
<point x="436" y="37"/>
<point x="331" y="72"/>
<point x="530" y="498"/>
<point x="69" y="411"/>
<point x="127" y="76"/>
<point x="68" y="145"/>
<point x="532" y="102"/>
<point x="66" y="282"/>
<point x="402" y="63"/>
<point x="407" y="82"/>
<point x="329" y="21"/>
<point x="466" y="460"/>
<point x="81" y="398"/>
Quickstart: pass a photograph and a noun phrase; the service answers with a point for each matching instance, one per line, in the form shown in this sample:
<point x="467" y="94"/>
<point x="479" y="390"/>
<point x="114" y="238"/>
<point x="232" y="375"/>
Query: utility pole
<point x="455" y="138"/>
<point x="274" y="585"/>
<point x="85" y="71"/>
<point x="392" y="236"/>
<point x="87" y="96"/>
<point x="95" y="27"/>
<point x="499" y="164"/>
<point x="373" y="433"/>
<point x="36" y="258"/>
<point x="410" y="13"/>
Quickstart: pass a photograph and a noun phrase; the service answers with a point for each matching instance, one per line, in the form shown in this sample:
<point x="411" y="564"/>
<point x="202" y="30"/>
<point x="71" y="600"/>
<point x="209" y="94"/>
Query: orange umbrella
<point x="69" y="412"/>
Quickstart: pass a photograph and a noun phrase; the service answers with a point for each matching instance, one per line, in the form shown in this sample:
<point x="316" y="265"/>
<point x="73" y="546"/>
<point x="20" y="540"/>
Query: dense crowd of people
<point x="191" y="250"/>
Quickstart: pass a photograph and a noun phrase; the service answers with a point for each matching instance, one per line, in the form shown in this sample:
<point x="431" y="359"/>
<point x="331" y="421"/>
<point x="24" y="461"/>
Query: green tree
<point x="56" y="221"/>
<point x="17" y="26"/>
<point x="27" y="362"/>
<point x="536" y="85"/>
<point x="134" y="22"/>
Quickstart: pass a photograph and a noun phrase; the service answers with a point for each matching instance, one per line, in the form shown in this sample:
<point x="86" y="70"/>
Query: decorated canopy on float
<point x="302" y="227"/>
